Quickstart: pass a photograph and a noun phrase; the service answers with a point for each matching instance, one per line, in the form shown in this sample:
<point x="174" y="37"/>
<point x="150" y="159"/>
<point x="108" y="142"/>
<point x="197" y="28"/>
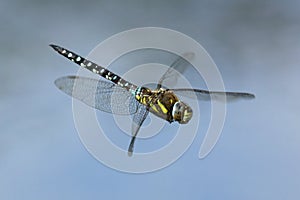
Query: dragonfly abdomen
<point x="93" y="67"/>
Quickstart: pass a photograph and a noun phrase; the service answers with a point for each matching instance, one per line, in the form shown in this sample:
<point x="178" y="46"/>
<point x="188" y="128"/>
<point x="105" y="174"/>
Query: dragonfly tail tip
<point x="55" y="47"/>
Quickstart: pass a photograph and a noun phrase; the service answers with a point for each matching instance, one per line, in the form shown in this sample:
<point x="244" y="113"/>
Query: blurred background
<point x="256" y="46"/>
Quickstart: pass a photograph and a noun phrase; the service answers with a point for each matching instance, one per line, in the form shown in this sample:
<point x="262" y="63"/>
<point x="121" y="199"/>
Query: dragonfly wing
<point x="138" y="119"/>
<point x="205" y="95"/>
<point x="176" y="68"/>
<point x="102" y="95"/>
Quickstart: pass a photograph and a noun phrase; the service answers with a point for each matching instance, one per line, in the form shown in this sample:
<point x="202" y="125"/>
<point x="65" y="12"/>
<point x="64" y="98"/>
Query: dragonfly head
<point x="182" y="113"/>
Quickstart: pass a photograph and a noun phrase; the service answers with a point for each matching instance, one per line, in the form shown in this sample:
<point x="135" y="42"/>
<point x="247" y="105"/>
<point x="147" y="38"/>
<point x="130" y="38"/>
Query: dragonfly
<point x="118" y="96"/>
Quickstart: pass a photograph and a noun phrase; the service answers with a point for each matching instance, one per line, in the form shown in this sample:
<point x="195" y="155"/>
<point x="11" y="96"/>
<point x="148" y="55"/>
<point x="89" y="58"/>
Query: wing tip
<point x="61" y="81"/>
<point x="249" y="96"/>
<point x="188" y="55"/>
<point x="57" y="83"/>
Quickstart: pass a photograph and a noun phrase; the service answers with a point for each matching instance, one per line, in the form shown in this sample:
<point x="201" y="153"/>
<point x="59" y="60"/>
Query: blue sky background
<point x="256" y="46"/>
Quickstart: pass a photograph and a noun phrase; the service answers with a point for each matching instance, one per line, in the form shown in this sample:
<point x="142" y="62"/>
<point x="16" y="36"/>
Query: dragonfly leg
<point x="138" y="119"/>
<point x="131" y="146"/>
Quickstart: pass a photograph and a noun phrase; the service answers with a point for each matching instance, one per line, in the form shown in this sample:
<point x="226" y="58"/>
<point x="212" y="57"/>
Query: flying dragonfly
<point x="131" y="99"/>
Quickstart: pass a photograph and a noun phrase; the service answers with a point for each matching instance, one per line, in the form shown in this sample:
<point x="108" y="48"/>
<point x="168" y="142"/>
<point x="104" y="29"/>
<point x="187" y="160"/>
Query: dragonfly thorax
<point x="164" y="104"/>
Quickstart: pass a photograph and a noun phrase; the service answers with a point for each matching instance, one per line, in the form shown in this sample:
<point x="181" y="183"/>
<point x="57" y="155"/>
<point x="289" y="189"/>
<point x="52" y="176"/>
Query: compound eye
<point x="177" y="111"/>
<point x="182" y="112"/>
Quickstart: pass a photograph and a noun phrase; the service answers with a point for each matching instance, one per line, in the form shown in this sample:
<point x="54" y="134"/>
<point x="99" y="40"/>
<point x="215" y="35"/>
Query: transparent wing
<point x="174" y="71"/>
<point x="138" y="119"/>
<point x="98" y="94"/>
<point x="205" y="95"/>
